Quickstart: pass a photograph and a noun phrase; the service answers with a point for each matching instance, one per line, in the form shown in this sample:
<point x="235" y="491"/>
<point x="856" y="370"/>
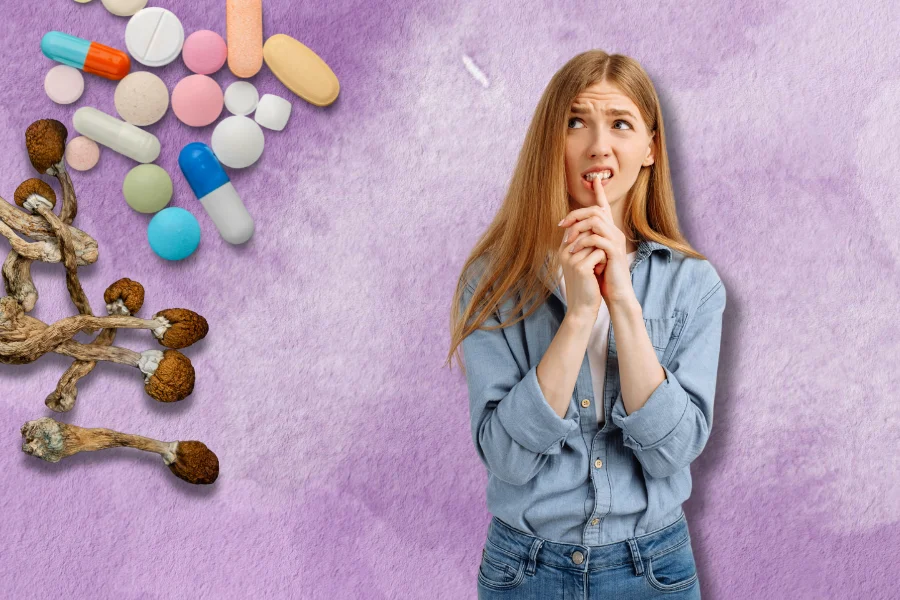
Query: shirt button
<point x="598" y="463"/>
<point x="577" y="557"/>
<point x="595" y="521"/>
<point x="585" y="403"/>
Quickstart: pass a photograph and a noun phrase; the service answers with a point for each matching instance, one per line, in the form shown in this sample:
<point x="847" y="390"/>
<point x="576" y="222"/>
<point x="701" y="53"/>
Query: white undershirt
<point x="597" y="345"/>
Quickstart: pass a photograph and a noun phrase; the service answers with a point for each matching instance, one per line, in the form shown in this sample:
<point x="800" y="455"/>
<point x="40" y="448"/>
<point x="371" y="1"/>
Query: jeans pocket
<point x="499" y="569"/>
<point x="672" y="569"/>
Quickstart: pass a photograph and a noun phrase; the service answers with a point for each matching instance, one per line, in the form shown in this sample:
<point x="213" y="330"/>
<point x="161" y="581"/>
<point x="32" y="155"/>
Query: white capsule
<point x="119" y="136"/>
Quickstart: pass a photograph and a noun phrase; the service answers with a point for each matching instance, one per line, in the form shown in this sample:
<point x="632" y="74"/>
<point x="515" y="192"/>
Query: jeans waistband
<point x="587" y="558"/>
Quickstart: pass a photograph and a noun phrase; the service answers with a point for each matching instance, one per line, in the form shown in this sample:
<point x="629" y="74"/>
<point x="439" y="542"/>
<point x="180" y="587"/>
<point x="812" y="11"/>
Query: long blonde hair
<point x="517" y="249"/>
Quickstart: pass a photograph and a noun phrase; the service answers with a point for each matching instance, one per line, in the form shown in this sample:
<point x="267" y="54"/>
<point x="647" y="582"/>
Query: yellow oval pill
<point x="301" y="70"/>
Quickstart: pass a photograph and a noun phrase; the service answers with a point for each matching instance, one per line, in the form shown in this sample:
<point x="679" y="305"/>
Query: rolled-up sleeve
<point x="514" y="429"/>
<point x="672" y="427"/>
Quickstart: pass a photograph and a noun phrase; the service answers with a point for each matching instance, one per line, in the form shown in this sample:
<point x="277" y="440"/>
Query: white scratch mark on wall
<point x="477" y="73"/>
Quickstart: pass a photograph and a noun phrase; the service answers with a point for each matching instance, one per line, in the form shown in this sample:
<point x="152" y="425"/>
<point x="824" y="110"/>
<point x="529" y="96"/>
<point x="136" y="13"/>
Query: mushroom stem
<point x="37" y="228"/>
<point x="52" y="441"/>
<point x="90" y="353"/>
<point x="62" y="399"/>
<point x="76" y="292"/>
<point x="17" y="280"/>
<point x="44" y="338"/>
<point x="70" y="203"/>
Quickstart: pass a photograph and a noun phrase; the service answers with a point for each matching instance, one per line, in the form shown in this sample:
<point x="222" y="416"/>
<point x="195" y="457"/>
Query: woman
<point x="590" y="392"/>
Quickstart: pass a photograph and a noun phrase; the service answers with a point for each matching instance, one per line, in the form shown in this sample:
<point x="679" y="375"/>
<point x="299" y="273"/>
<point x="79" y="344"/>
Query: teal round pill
<point x="147" y="188"/>
<point x="173" y="233"/>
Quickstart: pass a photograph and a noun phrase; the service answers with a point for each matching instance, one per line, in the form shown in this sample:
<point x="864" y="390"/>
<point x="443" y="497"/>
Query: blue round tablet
<point x="174" y="233"/>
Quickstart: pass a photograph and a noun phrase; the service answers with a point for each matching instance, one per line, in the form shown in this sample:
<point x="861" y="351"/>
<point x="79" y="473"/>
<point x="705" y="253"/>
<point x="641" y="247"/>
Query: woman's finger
<point x="593" y="259"/>
<point x="590" y="240"/>
<point x="596" y="242"/>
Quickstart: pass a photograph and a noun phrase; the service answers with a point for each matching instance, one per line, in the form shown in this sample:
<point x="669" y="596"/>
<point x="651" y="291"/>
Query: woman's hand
<point x="594" y="228"/>
<point x="583" y="298"/>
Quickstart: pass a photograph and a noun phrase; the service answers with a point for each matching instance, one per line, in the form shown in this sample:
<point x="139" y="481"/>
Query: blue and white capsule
<point x="212" y="187"/>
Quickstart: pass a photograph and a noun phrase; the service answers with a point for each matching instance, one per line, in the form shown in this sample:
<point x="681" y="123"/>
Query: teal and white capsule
<point x="212" y="187"/>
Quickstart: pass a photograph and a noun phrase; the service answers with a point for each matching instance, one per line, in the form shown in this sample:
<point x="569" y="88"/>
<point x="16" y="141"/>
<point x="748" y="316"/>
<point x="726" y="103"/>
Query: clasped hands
<point x="594" y="226"/>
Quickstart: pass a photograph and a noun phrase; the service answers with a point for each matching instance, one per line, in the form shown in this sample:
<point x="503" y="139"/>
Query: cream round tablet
<point x="237" y="142"/>
<point x="204" y="52"/>
<point x="154" y="36"/>
<point x="124" y="8"/>
<point x="241" y="98"/>
<point x="141" y="98"/>
<point x="64" y="84"/>
<point x="82" y="153"/>
<point x="197" y="100"/>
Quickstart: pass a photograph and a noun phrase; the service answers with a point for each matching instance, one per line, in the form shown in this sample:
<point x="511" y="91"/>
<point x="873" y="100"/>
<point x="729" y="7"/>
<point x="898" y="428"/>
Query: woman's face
<point x="598" y="136"/>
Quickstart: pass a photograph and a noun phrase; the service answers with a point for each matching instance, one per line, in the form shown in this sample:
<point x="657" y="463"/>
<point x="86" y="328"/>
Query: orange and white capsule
<point x="244" y="30"/>
<point x="88" y="56"/>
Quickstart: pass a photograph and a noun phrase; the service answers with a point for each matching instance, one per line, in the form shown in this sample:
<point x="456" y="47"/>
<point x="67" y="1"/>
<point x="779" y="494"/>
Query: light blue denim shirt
<point x="567" y="479"/>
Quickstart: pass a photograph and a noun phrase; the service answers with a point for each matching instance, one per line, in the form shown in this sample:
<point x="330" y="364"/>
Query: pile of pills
<point x="155" y="37"/>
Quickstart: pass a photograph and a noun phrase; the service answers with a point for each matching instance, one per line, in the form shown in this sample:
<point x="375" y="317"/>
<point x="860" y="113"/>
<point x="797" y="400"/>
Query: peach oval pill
<point x="197" y="100"/>
<point x="301" y="70"/>
<point x="82" y="153"/>
<point x="64" y="84"/>
<point x="244" y="30"/>
<point x="204" y="52"/>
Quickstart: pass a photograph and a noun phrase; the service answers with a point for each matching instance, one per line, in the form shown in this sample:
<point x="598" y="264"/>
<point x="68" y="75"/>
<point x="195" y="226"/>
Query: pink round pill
<point x="204" y="52"/>
<point x="64" y="84"/>
<point x="197" y="100"/>
<point x="82" y="153"/>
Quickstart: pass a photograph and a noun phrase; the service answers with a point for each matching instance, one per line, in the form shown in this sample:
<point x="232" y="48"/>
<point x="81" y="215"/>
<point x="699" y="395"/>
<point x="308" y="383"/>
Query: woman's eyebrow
<point x="583" y="109"/>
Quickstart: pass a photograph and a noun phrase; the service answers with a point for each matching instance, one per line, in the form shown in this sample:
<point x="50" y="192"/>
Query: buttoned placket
<point x="584" y="390"/>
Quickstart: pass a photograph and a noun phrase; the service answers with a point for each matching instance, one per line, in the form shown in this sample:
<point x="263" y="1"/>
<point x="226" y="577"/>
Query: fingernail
<point x="560" y="223"/>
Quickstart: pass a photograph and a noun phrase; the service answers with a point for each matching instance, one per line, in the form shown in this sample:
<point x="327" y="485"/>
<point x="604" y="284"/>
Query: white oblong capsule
<point x="117" y="135"/>
<point x="213" y="189"/>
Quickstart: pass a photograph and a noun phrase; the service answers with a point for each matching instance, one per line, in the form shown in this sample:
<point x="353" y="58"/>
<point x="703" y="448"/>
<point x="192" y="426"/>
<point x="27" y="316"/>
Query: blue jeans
<point x="659" y="564"/>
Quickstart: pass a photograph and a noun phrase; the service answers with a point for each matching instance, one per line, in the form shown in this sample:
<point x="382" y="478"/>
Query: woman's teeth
<point x="595" y="174"/>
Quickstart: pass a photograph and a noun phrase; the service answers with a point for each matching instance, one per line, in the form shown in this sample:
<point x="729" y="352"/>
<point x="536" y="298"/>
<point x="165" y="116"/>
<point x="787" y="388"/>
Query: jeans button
<point x="577" y="557"/>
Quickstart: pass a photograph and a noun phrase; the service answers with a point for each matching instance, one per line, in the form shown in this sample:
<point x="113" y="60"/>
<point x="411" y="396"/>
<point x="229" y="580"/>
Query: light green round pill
<point x="147" y="188"/>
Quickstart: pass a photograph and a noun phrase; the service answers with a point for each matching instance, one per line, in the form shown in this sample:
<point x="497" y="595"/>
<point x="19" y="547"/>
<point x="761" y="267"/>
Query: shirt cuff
<point x="530" y="420"/>
<point x="651" y="424"/>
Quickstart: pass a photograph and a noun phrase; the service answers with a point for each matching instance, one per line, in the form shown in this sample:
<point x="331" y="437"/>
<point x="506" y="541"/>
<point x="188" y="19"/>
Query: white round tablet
<point x="241" y="98"/>
<point x="273" y="112"/>
<point x="64" y="84"/>
<point x="124" y="8"/>
<point x="154" y="36"/>
<point x="237" y="142"/>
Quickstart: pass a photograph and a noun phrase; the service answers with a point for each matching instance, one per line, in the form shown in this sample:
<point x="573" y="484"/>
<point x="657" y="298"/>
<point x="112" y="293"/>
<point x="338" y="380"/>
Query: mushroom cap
<point x="46" y="143"/>
<point x="195" y="463"/>
<point x="173" y="379"/>
<point x="34" y="186"/>
<point x="186" y="327"/>
<point x="130" y="292"/>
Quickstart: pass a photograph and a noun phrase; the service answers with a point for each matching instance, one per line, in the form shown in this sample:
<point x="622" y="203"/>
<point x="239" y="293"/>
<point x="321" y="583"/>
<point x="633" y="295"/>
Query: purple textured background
<point x="347" y="467"/>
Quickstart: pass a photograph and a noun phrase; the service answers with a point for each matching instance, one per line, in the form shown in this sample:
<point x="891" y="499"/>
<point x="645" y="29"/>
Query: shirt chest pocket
<point x="663" y="333"/>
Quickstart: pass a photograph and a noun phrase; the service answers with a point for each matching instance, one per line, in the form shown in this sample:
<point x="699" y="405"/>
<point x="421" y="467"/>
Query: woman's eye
<point x="582" y="123"/>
